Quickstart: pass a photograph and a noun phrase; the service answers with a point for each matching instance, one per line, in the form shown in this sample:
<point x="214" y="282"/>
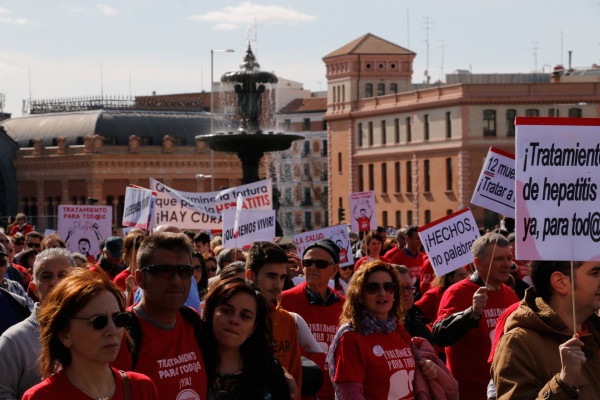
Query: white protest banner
<point x="362" y="207"/>
<point x="337" y="234"/>
<point x="495" y="189"/>
<point x="190" y="210"/>
<point x="137" y="207"/>
<point x="557" y="181"/>
<point x="254" y="226"/>
<point x="448" y="241"/>
<point x="84" y="227"/>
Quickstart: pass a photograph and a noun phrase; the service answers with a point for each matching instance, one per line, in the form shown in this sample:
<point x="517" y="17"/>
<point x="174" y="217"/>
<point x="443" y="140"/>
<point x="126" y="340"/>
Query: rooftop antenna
<point x="535" y="54"/>
<point x="427" y="24"/>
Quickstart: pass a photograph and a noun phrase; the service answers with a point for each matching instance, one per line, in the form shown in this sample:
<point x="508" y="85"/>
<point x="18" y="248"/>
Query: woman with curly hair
<point x="81" y="324"/>
<point x="371" y="355"/>
<point x="237" y="345"/>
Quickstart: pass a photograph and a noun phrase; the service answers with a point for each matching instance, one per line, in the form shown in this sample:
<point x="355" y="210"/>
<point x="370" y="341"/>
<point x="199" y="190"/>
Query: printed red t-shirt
<point x="413" y="263"/>
<point x="383" y="363"/>
<point x="364" y="224"/>
<point x="59" y="387"/>
<point x="467" y="357"/>
<point x="172" y="359"/>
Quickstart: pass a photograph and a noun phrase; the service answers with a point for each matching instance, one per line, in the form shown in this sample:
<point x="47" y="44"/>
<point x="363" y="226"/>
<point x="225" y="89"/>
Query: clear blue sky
<point x="164" y="46"/>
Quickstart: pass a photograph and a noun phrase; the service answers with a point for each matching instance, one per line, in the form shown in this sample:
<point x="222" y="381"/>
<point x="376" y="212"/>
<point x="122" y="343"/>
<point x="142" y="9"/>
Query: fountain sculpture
<point x="249" y="141"/>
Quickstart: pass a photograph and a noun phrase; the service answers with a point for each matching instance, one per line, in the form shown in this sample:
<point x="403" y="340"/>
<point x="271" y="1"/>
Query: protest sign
<point x="337" y="234"/>
<point x="84" y="227"/>
<point x="137" y="208"/>
<point x="557" y="180"/>
<point x="254" y="226"/>
<point x="190" y="210"/>
<point x="448" y="241"/>
<point x="495" y="189"/>
<point x="362" y="206"/>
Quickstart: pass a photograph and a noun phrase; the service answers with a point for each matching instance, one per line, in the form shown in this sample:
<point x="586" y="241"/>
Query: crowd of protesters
<point x="171" y="314"/>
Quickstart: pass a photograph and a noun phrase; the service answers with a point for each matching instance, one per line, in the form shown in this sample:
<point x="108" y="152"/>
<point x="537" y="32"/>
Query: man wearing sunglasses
<point x="317" y="303"/>
<point x="20" y="345"/>
<point x="164" y="331"/>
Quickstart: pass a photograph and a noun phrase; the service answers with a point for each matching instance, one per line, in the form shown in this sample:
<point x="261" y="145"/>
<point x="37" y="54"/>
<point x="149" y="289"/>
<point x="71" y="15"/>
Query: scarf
<point x="370" y="325"/>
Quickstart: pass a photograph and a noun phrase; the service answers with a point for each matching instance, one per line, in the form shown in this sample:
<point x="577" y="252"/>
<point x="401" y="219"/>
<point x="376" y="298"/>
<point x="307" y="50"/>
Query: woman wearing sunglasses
<point x="125" y="280"/>
<point x="341" y="279"/>
<point x="81" y="323"/>
<point x="237" y="347"/>
<point x="373" y="243"/>
<point x="371" y="357"/>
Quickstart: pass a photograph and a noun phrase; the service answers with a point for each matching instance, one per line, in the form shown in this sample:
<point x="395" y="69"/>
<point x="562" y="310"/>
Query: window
<point x="324" y="125"/>
<point x="371" y="177"/>
<point x="360" y="135"/>
<point x="552" y="111"/>
<point x="370" y="133"/>
<point x="288" y="196"/>
<point x="287" y="172"/>
<point x="427" y="216"/>
<point x="574" y="112"/>
<point x="324" y="150"/>
<point x="427" y="177"/>
<point x="398" y="219"/>
<point x="361" y="182"/>
<point x="397" y="176"/>
<point x="334" y="97"/>
<point x="339" y="162"/>
<point x="409" y="217"/>
<point x="408" y="177"/>
<point x="384" y="216"/>
<point x="306" y="168"/>
<point x="448" y="125"/>
<point x="383" y="133"/>
<point x="426" y="128"/>
<point x="287" y="124"/>
<point x="307" y="196"/>
<point x="308" y="220"/>
<point x="532" y="112"/>
<point x="393" y="88"/>
<point x="343" y="93"/>
<point x="448" y="211"/>
<point x="397" y="130"/>
<point x="510" y="122"/>
<point x="384" y="178"/>
<point x="448" y="174"/>
<point x="369" y="90"/>
<point x="489" y="123"/>
<point x="380" y="89"/>
<point x="306" y="148"/>
<point x="288" y="220"/>
<point x="408" y="130"/>
<point x="307" y="124"/>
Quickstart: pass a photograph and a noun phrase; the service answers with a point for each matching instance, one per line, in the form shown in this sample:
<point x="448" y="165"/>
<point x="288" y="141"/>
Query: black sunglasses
<point x="36" y="245"/>
<point x="167" y="271"/>
<point x="321" y="264"/>
<point x="373" y="287"/>
<point x="99" y="322"/>
<point x="346" y="267"/>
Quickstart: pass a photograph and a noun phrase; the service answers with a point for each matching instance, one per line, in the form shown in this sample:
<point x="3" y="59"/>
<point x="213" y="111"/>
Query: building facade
<point x="421" y="151"/>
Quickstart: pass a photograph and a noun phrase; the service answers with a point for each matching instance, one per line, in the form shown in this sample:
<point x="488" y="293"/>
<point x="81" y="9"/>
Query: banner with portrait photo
<point x="84" y="227"/>
<point x="363" y="217"/>
<point x="337" y="234"/>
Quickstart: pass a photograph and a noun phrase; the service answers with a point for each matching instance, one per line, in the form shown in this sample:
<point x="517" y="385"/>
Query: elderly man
<point x="538" y="357"/>
<point x="165" y="332"/>
<point x="318" y="304"/>
<point x="468" y="312"/>
<point x="20" y="345"/>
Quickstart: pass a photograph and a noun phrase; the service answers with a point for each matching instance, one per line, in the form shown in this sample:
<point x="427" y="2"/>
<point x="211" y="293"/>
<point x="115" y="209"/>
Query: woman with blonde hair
<point x="371" y="356"/>
<point x="81" y="328"/>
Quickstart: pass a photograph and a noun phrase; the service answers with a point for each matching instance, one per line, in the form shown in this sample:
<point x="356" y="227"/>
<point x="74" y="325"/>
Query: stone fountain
<point x="249" y="141"/>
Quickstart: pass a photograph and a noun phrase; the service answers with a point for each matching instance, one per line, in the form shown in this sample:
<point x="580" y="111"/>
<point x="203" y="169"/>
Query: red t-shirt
<point x="323" y="322"/>
<point x="383" y="363"/>
<point x="59" y="387"/>
<point x="364" y="224"/>
<point x="499" y="331"/>
<point x="430" y="302"/>
<point x="427" y="275"/>
<point x="343" y="256"/>
<point x="467" y="357"/>
<point x="120" y="282"/>
<point x="171" y="358"/>
<point x="413" y="263"/>
<point x="365" y="259"/>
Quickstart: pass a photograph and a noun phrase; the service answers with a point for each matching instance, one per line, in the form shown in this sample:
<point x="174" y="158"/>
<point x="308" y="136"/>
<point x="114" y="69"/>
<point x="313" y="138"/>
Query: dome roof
<point x="116" y="126"/>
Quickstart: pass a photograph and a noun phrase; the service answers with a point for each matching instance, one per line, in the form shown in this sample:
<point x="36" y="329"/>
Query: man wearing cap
<point x="317" y="303"/>
<point x="20" y="346"/>
<point x="112" y="256"/>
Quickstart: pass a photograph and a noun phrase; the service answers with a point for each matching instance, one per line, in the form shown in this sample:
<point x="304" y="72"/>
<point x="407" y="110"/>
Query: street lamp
<point x="580" y="104"/>
<point x="212" y="123"/>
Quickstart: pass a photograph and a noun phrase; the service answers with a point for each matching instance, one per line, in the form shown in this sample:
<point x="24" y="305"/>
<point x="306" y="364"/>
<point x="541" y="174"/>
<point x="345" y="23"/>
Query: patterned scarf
<point x="370" y="325"/>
